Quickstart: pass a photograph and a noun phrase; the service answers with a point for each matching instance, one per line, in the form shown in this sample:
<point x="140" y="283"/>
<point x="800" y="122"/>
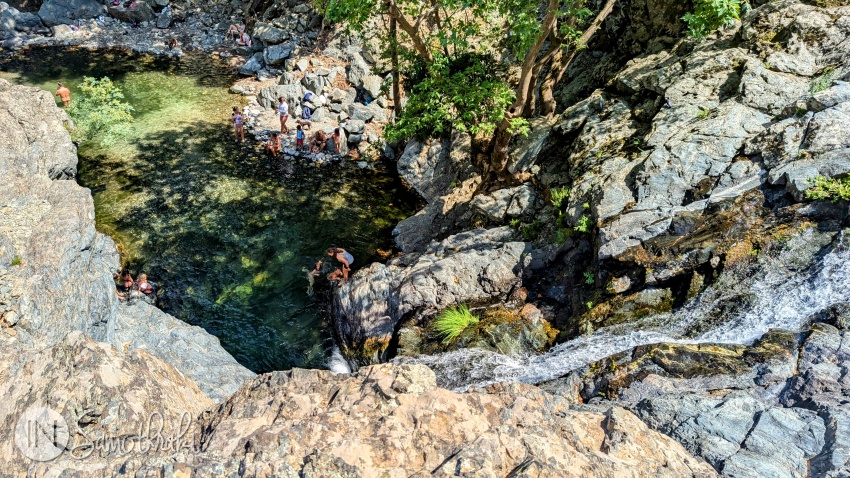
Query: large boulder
<point x="57" y="12"/>
<point x="270" y="34"/>
<point x="476" y="266"/>
<point x="277" y="54"/>
<point x="269" y="95"/>
<point x="165" y="18"/>
<point x="142" y="11"/>
<point x="433" y="167"/>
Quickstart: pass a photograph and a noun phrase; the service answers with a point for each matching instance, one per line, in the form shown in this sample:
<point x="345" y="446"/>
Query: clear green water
<point x="223" y="230"/>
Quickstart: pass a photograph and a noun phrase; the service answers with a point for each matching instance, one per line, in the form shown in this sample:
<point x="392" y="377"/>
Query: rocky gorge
<point x="698" y="300"/>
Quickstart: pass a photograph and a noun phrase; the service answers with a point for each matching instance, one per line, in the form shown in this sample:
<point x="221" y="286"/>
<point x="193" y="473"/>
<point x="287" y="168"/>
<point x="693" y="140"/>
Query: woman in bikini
<point x="273" y="146"/>
<point x="238" y="124"/>
<point x="343" y="257"/>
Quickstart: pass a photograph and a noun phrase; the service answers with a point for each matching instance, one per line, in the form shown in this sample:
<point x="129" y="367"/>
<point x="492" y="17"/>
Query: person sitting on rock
<point x="127" y="282"/>
<point x="273" y="147"/>
<point x="234" y="32"/>
<point x="65" y="94"/>
<point x="244" y="39"/>
<point x="144" y="286"/>
<point x="343" y="257"/>
<point x="319" y="142"/>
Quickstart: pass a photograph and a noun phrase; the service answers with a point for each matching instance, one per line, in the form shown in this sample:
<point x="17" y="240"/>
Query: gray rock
<point x="354" y="126"/>
<point x="506" y="203"/>
<point x="269" y="34"/>
<point x="269" y="95"/>
<point x="165" y="18"/>
<point x="360" y="112"/>
<point x="253" y="65"/>
<point x="142" y="12"/>
<point x="313" y="82"/>
<point x="433" y="167"/>
<point x="277" y="54"/>
<point x="474" y="266"/>
<point x="768" y="91"/>
<point x="372" y="84"/>
<point x="56" y="12"/>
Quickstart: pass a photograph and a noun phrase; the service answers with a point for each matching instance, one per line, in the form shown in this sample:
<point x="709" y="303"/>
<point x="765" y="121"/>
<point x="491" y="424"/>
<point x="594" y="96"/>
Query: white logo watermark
<point x="41" y="433"/>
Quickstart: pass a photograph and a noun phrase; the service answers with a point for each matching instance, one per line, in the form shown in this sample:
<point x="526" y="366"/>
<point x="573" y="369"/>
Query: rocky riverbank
<point x="107" y="367"/>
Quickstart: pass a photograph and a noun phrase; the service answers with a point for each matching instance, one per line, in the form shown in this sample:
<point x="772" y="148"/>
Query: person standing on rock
<point x="238" y="124"/>
<point x="65" y="94"/>
<point x="283" y="111"/>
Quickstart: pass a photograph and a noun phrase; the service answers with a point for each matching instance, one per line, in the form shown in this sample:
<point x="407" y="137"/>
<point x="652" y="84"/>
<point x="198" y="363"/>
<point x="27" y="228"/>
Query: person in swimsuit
<point x="238" y="124"/>
<point x="145" y="287"/>
<point x="234" y="32"/>
<point x="65" y="94"/>
<point x="127" y="282"/>
<point x="244" y="39"/>
<point x="273" y="146"/>
<point x="283" y="111"/>
<point x="343" y="257"/>
<point x="337" y="137"/>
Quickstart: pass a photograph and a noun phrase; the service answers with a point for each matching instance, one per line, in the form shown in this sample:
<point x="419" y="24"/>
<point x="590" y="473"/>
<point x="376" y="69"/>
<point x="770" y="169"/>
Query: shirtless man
<point x="65" y="94"/>
<point x="319" y="142"/>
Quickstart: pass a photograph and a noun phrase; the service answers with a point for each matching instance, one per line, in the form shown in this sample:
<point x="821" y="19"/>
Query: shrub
<point x="588" y="278"/>
<point x="559" y="195"/>
<point x="99" y="111"/>
<point x="16" y="261"/>
<point x="709" y="15"/>
<point x="829" y="188"/>
<point x="451" y="322"/>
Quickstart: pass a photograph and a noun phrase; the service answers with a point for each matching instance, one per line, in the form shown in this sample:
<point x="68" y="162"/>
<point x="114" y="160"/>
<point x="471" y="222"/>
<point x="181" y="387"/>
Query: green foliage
<point x="588" y="278"/>
<point x="531" y="232"/>
<point x="562" y="235"/>
<point x="709" y="15"/>
<point x="559" y="195"/>
<point x="589" y="305"/>
<point x="99" y="111"/>
<point x="16" y="261"/>
<point x="440" y="98"/>
<point x="584" y="224"/>
<point x="829" y="188"/>
<point x="515" y="224"/>
<point x="451" y="322"/>
<point x="703" y="113"/>
<point x="822" y="81"/>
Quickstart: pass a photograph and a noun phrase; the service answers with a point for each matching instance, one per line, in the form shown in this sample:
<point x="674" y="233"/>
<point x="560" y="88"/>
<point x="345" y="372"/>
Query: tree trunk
<point x="394" y="61"/>
<point x="560" y="65"/>
<point x="502" y="135"/>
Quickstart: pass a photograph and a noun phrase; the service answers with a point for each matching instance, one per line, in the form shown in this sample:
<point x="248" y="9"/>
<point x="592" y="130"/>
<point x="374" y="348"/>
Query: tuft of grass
<point x="559" y="195"/>
<point x="703" y="113"/>
<point x="829" y="188"/>
<point x="16" y="261"/>
<point x="451" y="322"/>
<point x="583" y="224"/>
<point x="822" y="81"/>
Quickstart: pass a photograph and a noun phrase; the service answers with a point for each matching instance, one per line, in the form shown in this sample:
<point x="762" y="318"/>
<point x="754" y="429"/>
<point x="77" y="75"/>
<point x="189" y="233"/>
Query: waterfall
<point x="782" y="292"/>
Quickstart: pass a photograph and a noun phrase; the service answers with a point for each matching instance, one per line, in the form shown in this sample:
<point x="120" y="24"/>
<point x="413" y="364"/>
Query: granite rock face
<point x="64" y="280"/>
<point x="476" y="266"/>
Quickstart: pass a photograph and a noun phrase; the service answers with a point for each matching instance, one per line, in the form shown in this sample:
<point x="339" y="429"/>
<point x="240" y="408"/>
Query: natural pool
<point x="223" y="230"/>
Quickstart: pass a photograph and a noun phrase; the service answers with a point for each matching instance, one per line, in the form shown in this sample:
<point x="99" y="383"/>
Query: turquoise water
<point x="223" y="230"/>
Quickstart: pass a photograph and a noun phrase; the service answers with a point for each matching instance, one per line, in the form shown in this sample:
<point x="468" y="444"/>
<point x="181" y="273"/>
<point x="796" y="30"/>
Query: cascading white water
<point x="781" y="294"/>
<point x="337" y="363"/>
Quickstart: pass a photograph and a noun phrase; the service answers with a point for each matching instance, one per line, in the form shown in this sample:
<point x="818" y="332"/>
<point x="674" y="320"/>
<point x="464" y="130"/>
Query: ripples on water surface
<point x="221" y="228"/>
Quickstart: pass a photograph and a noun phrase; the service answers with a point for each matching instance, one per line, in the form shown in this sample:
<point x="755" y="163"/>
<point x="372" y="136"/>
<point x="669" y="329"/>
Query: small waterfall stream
<point x="781" y="292"/>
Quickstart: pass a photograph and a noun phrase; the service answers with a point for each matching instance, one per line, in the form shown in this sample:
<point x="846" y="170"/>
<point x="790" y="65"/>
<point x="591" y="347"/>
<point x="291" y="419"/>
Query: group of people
<point x="318" y="140"/>
<point x="126" y="286"/>
<point x="239" y="33"/>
